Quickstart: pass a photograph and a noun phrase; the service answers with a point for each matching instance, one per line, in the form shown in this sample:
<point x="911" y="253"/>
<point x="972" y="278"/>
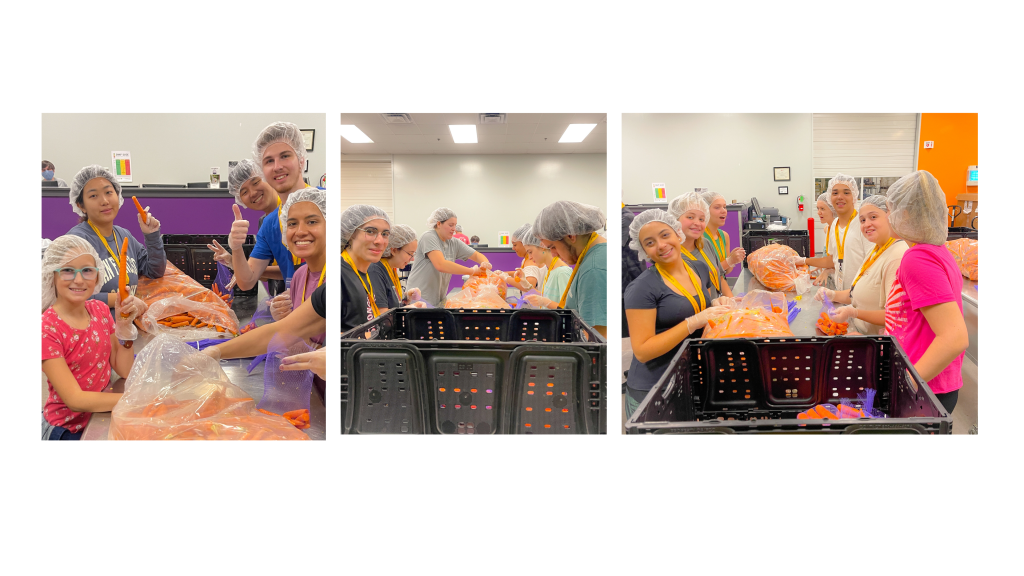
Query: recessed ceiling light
<point x="463" y="133"/>
<point x="576" y="133"/>
<point x="354" y="135"/>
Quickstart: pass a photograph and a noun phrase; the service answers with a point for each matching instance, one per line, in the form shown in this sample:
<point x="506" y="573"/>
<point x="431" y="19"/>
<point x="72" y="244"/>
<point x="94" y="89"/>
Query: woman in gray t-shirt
<point x="434" y="262"/>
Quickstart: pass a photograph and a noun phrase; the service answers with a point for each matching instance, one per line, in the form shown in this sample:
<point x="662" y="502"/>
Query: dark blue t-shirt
<point x="269" y="247"/>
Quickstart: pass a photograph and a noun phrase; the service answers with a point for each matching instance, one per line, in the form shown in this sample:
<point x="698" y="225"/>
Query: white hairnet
<point x="826" y="196"/>
<point x="440" y="215"/>
<point x="355" y="216"/>
<point x="314" y="195"/>
<point x="57" y="255"/>
<point x="646" y="217"/>
<point x="877" y="201"/>
<point x="279" y="132"/>
<point x="566" y="218"/>
<point x="844" y="179"/>
<point x="689" y="201"/>
<point x="400" y="236"/>
<point x="521" y="232"/>
<point x="244" y="171"/>
<point x="82" y="178"/>
<point x="527" y="237"/>
<point x="458" y="228"/>
<point x="917" y="209"/>
<point x="711" y="196"/>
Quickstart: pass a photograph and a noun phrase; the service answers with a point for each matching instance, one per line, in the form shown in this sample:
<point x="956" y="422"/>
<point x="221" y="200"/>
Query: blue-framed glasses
<point x="68" y="273"/>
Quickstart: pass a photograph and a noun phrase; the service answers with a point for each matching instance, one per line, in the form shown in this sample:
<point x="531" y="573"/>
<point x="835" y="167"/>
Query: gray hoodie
<point x="149" y="260"/>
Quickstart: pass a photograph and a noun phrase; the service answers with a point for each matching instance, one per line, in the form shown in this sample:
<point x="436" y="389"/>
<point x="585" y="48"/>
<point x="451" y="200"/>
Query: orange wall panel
<point x="956" y="148"/>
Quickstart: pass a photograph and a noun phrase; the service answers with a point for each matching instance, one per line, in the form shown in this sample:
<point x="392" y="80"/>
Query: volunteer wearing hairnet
<point x="459" y="235"/>
<point x="529" y="270"/>
<point x="434" y="264"/>
<point x="866" y="299"/>
<point x="400" y="252"/>
<point x="924" y="310"/>
<point x="569" y="230"/>
<point x="554" y="274"/>
<point x="80" y="342"/>
<point x="306" y="234"/>
<point x="365" y="232"/>
<point x="849" y="246"/>
<point x="48" y="174"/>
<point x="826" y="214"/>
<point x="692" y="212"/>
<point x="96" y="197"/>
<point x="666" y="304"/>
<point x="717" y="238"/>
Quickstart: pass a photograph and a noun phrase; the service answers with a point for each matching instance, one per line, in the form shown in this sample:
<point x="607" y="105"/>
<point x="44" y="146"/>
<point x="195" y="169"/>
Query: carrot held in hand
<point x="122" y="277"/>
<point x="145" y="217"/>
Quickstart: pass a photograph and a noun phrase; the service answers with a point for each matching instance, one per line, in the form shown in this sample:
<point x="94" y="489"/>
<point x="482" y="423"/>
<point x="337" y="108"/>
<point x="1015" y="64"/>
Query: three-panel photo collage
<point x="782" y="274"/>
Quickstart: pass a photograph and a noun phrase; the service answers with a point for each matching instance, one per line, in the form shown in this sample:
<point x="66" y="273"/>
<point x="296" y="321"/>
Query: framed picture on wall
<point x="782" y="173"/>
<point x="307" y="137"/>
<point x="783" y="189"/>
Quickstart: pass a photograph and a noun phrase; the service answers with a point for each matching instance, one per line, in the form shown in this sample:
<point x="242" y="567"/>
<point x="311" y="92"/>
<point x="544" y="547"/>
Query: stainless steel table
<point x="969" y="296"/>
<point x="806" y="322"/>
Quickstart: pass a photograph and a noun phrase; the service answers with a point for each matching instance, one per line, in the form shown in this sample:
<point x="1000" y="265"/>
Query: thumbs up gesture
<point x="239" y="229"/>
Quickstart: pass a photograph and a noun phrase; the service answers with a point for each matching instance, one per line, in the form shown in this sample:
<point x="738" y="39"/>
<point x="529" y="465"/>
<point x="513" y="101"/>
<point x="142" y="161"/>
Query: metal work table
<point x="969" y="295"/>
<point x="806" y="322"/>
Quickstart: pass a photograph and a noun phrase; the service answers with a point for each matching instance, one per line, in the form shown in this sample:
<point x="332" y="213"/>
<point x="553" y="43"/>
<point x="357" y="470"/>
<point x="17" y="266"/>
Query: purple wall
<point x="176" y="215"/>
<point x="732" y="228"/>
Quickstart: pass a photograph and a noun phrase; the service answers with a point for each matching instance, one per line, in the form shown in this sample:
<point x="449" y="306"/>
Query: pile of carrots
<point x="187" y="320"/>
<point x="965" y="252"/>
<point x="748" y="323"/>
<point x="830" y="412"/>
<point x="830" y="327"/>
<point x="176" y="283"/>
<point x="487" y="278"/>
<point x="772" y="267"/>
<point x="298" y="418"/>
<point x="227" y="298"/>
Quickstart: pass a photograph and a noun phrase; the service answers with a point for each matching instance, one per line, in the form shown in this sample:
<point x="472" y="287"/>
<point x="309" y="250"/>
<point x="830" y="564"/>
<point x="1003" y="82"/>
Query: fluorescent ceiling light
<point x="576" y="133"/>
<point x="463" y="133"/>
<point x="354" y="135"/>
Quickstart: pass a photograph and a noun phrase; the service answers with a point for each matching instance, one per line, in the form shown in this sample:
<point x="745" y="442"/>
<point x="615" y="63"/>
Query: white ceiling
<point x="521" y="134"/>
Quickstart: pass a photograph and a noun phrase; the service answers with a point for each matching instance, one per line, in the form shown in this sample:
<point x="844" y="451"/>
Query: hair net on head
<point x="440" y="215"/>
<point x="240" y="174"/>
<point x="844" y="179"/>
<point x="917" y="209"/>
<point x="57" y="255"/>
<point x="458" y="227"/>
<point x="710" y="197"/>
<point x="83" y="177"/>
<point x="355" y="216"/>
<point x="314" y="195"/>
<point x="527" y="237"/>
<point x="643" y="219"/>
<point x="566" y="218"/>
<point x="827" y="198"/>
<point x="279" y="132"/>
<point x="520" y="232"/>
<point x="877" y="200"/>
<point x="689" y="201"/>
<point x="400" y="236"/>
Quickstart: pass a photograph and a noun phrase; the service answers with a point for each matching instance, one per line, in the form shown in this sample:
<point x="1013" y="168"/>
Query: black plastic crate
<point x="180" y="257"/>
<point x="798" y="240"/>
<point x="741" y="385"/>
<point x="202" y="239"/>
<point x="958" y="232"/>
<point x="169" y="239"/>
<point x="474" y="371"/>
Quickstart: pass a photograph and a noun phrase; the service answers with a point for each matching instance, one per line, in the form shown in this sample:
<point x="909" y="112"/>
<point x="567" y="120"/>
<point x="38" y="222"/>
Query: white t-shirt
<point x="855" y="249"/>
<point x="873" y="287"/>
<point x="537" y="274"/>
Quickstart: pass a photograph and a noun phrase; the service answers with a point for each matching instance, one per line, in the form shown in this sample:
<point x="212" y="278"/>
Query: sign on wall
<point x="121" y="164"/>
<point x="504" y="239"/>
<point x="660" y="193"/>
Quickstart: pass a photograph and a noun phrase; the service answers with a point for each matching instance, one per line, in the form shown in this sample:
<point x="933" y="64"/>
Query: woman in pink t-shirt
<point x="306" y="235"/>
<point x="924" y="310"/>
<point x="79" y="342"/>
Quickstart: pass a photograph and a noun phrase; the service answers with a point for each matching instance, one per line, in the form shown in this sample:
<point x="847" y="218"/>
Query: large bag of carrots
<point x="486" y="278"/>
<point x="773" y="267"/>
<point x="174" y="392"/>
<point x="965" y="252"/>
<point x="759" y="314"/>
<point x="181" y="306"/>
<point x="477" y="296"/>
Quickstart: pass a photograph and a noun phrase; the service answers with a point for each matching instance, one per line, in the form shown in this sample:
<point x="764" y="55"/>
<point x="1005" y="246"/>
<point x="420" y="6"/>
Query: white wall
<point x="168" y="148"/>
<point x="733" y="154"/>
<point x="494" y="192"/>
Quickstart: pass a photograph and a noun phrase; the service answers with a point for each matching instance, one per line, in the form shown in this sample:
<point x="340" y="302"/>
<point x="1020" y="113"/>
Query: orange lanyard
<point x="841" y="248"/>
<point x="369" y="289"/>
<point x="714" y="272"/>
<point x="576" y="268"/>
<point x="827" y="226"/>
<point x="550" y="268"/>
<point x="696" y="283"/>
<point x="871" y="260"/>
<point x="719" y="245"/>
<point x="393" y="274"/>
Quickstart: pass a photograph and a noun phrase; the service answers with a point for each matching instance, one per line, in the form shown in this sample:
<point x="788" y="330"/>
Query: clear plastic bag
<point x="188" y="296"/>
<point x="286" y="392"/>
<point x="486" y="278"/>
<point x="965" y="252"/>
<point x="759" y="314"/>
<point x="477" y="296"/>
<point x="773" y="267"/>
<point x="174" y="392"/>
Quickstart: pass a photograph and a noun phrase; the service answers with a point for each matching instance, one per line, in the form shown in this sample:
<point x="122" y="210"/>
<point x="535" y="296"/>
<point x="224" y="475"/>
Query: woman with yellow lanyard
<point x="718" y="238"/>
<point x="365" y="231"/>
<point x="96" y="197"/>
<point x="849" y="246"/>
<point x="306" y="234"/>
<point x="556" y="274"/>
<point x="826" y="214"/>
<point x="692" y="212"/>
<point x="387" y="286"/>
<point x="666" y="304"/>
<point x="569" y="230"/>
<point x="874" y="280"/>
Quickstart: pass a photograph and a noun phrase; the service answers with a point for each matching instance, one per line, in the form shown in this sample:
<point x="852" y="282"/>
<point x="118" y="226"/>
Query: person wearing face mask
<point x="365" y="232"/>
<point x="569" y="230"/>
<point x="48" y="174"/>
<point x="666" y="304"/>
<point x="870" y="288"/>
<point x="849" y="246"/>
<point x="306" y="234"/>
<point x="826" y="214"/>
<point x="434" y="264"/>
<point x="717" y="238"/>
<point x="96" y="197"/>
<point x="692" y="212"/>
<point x="387" y="286"/>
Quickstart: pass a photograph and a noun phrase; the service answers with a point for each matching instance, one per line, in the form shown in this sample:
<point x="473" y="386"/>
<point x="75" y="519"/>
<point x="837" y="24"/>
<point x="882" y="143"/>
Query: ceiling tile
<point x="552" y="130"/>
<point x="588" y="118"/>
<point x="435" y="129"/>
<point x="539" y="118"/>
<point x="361" y="119"/>
<point x="521" y="128"/>
<point x="404" y="128"/>
<point x="491" y="129"/>
<point x="445" y="118"/>
<point x="374" y="131"/>
<point x="491" y="138"/>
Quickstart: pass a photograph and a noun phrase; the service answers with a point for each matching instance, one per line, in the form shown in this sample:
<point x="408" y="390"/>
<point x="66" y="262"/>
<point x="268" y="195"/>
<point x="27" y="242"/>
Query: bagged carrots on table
<point x="759" y="314"/>
<point x="965" y="252"/>
<point x="177" y="294"/>
<point x="487" y="278"/>
<point x="477" y="296"/>
<point x="773" y="268"/>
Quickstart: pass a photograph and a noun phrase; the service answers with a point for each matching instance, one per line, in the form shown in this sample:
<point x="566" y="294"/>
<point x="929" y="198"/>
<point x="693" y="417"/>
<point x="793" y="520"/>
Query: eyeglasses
<point x="68" y="274"/>
<point x="372" y="233"/>
<point x="410" y="254"/>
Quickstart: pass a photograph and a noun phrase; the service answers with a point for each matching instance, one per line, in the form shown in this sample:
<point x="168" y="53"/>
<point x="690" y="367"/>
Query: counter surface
<point x="806" y="322"/>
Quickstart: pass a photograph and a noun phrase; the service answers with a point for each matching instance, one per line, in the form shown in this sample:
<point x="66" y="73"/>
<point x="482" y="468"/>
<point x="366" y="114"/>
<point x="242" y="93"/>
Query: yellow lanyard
<point x="104" y="240"/>
<point x="719" y="246"/>
<point x="714" y="273"/>
<point x="871" y="260"/>
<point x="319" y="282"/>
<point x="827" y="226"/>
<point x="550" y="268"/>
<point x="841" y="248"/>
<point x="281" y="224"/>
<point x="369" y="289"/>
<point x="393" y="274"/>
<point x="576" y="268"/>
<point x="696" y="285"/>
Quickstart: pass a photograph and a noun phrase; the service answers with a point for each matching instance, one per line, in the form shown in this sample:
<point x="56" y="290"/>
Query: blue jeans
<point x="51" y="432"/>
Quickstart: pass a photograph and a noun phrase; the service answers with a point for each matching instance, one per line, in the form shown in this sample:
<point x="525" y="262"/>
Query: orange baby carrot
<point x="138" y="207"/>
<point x="122" y="277"/>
